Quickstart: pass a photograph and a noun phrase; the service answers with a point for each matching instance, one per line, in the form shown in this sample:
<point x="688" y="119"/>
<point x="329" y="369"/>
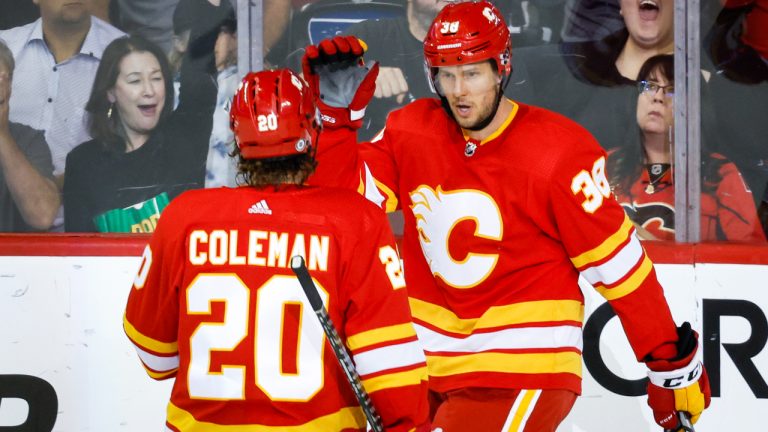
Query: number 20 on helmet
<point x="273" y="114"/>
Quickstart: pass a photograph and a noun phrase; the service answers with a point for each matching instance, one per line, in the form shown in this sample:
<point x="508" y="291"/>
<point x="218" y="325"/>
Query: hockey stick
<point x="298" y="267"/>
<point x="685" y="423"/>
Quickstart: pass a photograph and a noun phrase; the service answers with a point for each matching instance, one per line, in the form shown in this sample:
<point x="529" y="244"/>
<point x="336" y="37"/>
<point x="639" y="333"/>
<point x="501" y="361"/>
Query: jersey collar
<point x="500" y="129"/>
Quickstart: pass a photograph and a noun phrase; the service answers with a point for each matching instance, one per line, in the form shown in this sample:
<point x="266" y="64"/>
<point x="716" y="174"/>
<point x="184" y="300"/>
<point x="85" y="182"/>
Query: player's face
<point x="649" y="22"/>
<point x="139" y="93"/>
<point x="655" y="105"/>
<point x="65" y="11"/>
<point x="471" y="91"/>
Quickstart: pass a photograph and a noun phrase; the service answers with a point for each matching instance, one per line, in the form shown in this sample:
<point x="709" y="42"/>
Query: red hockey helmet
<point x="273" y="114"/>
<point x="469" y="32"/>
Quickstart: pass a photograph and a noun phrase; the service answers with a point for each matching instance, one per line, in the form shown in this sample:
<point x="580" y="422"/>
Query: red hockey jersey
<point x="727" y="214"/>
<point x="215" y="305"/>
<point x="494" y="244"/>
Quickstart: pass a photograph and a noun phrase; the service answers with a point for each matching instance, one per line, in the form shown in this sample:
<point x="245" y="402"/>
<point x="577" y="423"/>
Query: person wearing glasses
<point x="641" y="173"/>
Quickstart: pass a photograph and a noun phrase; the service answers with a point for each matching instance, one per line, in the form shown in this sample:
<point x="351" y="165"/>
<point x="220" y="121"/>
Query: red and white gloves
<point x="679" y="384"/>
<point x="342" y="82"/>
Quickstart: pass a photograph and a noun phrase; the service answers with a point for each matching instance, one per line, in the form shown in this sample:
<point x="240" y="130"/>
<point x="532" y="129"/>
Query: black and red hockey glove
<point x="341" y="80"/>
<point x="679" y="384"/>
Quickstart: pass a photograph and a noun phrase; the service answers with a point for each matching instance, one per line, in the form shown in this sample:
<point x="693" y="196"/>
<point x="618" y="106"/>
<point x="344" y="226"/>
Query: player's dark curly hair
<point x="274" y="171"/>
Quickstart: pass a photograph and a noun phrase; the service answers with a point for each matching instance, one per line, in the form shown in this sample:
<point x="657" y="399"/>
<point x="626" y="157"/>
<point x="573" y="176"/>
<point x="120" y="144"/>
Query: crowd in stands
<point x="111" y="108"/>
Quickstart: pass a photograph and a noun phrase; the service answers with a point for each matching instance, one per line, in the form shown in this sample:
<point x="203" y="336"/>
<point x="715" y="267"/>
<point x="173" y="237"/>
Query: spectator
<point x="398" y="44"/>
<point x="143" y="154"/>
<point x="57" y="55"/>
<point x="183" y="20"/>
<point x="18" y="13"/>
<point x="591" y="20"/>
<point x="180" y="294"/>
<point x="642" y="179"/>
<point x="221" y="167"/>
<point x="277" y="14"/>
<point x="197" y="25"/>
<point x="29" y="198"/>
<point x="592" y="82"/>
<point x="739" y="39"/>
<point x="737" y="45"/>
<point x="152" y="19"/>
<point x="533" y="22"/>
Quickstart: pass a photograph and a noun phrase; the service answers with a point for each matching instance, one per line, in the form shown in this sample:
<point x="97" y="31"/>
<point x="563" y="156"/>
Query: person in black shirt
<point x="398" y="44"/>
<point x="143" y="153"/>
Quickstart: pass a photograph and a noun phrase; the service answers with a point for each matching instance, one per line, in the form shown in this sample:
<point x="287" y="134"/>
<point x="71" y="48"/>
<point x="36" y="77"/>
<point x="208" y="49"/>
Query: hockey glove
<point x="342" y="82"/>
<point x="678" y="384"/>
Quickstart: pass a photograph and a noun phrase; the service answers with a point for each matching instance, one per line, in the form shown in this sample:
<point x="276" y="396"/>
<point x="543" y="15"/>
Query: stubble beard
<point x="487" y="111"/>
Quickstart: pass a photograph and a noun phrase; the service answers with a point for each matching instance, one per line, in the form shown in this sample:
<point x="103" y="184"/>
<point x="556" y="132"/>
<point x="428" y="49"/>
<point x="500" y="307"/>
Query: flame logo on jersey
<point x="437" y="213"/>
<point x="656" y="215"/>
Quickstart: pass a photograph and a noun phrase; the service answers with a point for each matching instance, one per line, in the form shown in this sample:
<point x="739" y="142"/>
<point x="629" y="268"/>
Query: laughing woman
<point x="142" y="153"/>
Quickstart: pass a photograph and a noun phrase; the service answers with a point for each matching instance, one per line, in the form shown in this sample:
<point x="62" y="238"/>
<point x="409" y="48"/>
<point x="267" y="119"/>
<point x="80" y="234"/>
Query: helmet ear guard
<point x="273" y="114"/>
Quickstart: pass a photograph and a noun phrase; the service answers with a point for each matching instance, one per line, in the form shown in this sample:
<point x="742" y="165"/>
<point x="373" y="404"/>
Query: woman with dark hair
<point x="641" y="173"/>
<point x="143" y="154"/>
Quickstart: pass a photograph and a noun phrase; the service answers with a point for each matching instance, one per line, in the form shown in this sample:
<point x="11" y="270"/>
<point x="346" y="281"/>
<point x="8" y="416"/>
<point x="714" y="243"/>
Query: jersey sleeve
<point x="151" y="314"/>
<point x="379" y="172"/>
<point x="337" y="160"/>
<point x="379" y="332"/>
<point x="601" y="243"/>
<point x="737" y="214"/>
<point x="369" y="167"/>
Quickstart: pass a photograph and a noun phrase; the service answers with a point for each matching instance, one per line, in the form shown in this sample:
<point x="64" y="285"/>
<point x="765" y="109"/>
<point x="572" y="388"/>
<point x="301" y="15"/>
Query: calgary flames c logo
<point x="437" y="213"/>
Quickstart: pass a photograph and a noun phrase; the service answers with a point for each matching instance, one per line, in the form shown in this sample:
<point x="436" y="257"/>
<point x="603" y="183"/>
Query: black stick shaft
<point x="685" y="423"/>
<point x="300" y="269"/>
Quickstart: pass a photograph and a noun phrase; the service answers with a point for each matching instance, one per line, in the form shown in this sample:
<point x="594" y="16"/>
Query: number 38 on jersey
<point x="594" y="185"/>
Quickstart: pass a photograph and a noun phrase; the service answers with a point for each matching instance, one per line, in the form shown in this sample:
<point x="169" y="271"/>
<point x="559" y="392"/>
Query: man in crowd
<point x="29" y="198"/>
<point x="57" y="55"/>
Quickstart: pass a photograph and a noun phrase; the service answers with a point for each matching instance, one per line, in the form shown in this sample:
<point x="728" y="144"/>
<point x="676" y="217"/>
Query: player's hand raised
<point x="341" y="80"/>
<point x="679" y="384"/>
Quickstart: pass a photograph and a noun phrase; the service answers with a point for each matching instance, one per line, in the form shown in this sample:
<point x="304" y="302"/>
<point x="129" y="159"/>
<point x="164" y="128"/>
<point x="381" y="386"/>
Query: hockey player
<point x="505" y="205"/>
<point x="215" y="305"/>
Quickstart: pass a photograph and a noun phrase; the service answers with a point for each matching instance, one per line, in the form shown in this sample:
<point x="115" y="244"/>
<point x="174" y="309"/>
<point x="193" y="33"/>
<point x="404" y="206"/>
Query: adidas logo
<point x="260" y="207"/>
